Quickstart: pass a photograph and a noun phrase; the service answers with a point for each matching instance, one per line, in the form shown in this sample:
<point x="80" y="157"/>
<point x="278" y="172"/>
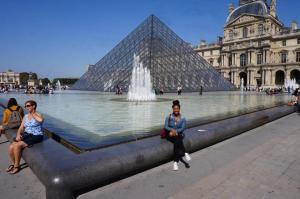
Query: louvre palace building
<point x="255" y="47"/>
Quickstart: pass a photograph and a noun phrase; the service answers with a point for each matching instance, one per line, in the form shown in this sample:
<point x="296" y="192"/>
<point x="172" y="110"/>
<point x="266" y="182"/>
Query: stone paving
<point x="260" y="164"/>
<point x="23" y="185"/>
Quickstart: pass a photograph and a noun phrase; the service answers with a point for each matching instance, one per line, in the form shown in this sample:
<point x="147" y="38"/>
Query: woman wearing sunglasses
<point x="29" y="133"/>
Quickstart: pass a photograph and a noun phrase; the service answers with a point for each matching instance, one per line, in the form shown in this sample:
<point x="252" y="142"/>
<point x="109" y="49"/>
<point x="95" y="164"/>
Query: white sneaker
<point x="187" y="157"/>
<point x="175" y="166"/>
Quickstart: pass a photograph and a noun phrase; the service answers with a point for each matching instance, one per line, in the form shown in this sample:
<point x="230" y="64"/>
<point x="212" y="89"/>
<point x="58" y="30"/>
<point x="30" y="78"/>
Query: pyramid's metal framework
<point x="172" y="62"/>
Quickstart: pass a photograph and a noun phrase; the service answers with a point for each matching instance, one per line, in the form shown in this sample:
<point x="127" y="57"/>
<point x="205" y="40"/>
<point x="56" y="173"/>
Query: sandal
<point x="14" y="170"/>
<point x="9" y="168"/>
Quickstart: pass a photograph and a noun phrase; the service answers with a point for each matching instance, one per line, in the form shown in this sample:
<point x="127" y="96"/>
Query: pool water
<point x="94" y="119"/>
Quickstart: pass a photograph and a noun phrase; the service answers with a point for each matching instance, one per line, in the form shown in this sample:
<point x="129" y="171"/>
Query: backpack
<point x="15" y="118"/>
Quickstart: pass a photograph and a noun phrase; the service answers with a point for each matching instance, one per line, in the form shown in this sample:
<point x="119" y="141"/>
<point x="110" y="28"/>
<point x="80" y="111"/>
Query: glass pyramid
<point x="172" y="62"/>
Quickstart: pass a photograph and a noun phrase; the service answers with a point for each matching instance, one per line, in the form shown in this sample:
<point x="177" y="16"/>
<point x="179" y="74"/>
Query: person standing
<point x="175" y="125"/>
<point x="201" y="90"/>
<point x="179" y="90"/>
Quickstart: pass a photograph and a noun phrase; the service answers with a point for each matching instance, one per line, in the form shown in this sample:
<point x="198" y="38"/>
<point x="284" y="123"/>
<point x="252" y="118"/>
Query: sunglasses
<point x="28" y="105"/>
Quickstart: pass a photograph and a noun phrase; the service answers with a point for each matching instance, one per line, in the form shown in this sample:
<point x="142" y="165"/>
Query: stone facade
<point x="9" y="78"/>
<point x="255" y="46"/>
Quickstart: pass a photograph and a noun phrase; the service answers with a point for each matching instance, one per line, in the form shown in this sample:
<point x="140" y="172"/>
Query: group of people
<point x="119" y="90"/>
<point x="273" y="91"/>
<point x="29" y="129"/>
<point x="4" y="89"/>
<point x="39" y="90"/>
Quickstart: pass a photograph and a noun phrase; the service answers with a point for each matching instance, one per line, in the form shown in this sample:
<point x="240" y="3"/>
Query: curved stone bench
<point x="66" y="174"/>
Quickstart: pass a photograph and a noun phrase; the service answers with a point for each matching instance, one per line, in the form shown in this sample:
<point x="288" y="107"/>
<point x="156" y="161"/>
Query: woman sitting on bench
<point x="12" y="115"/>
<point x="29" y="133"/>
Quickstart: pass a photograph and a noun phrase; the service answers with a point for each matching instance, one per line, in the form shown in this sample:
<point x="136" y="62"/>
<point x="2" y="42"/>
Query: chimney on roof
<point x="203" y="43"/>
<point x="273" y="8"/>
<point x="294" y="25"/>
<point x="230" y="8"/>
<point x="219" y="40"/>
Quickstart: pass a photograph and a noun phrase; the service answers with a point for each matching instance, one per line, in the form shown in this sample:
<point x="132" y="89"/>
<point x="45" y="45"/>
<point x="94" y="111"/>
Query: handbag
<point x="163" y="133"/>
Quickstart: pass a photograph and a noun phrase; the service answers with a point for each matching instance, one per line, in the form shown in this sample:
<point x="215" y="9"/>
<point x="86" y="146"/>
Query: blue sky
<point x="58" y="38"/>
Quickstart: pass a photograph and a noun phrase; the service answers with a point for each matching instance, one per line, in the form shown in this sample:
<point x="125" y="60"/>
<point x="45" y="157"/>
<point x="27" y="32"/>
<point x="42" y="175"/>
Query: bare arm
<point x="38" y="117"/>
<point x="20" y="131"/>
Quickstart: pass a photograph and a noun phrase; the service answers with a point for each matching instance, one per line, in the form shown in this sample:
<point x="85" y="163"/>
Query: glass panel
<point x="171" y="61"/>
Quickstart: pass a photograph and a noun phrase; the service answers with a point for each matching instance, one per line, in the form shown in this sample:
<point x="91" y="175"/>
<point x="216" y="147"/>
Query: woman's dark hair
<point x="176" y="103"/>
<point x="32" y="103"/>
<point x="12" y="102"/>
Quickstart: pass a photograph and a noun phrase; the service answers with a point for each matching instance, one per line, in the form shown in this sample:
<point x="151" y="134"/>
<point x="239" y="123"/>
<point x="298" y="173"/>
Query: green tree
<point x="65" y="81"/>
<point x="45" y="81"/>
<point x="34" y="76"/>
<point x="24" y="78"/>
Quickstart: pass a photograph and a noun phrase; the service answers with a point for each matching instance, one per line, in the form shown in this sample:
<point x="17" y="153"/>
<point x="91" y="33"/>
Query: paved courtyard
<point x="262" y="163"/>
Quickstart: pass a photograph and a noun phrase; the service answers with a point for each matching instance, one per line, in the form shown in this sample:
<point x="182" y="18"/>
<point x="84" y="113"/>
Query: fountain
<point x="140" y="88"/>
<point x="291" y="84"/>
<point x="242" y="85"/>
<point x="58" y="85"/>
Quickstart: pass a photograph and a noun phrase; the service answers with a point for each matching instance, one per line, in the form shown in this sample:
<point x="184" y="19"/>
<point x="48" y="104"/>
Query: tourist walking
<point x="201" y="90"/>
<point x="175" y="125"/>
<point x="179" y="90"/>
<point x="12" y="115"/>
<point x="29" y="133"/>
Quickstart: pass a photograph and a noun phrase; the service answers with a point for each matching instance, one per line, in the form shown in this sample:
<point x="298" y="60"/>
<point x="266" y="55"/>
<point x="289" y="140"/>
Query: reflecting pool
<point x="95" y="119"/>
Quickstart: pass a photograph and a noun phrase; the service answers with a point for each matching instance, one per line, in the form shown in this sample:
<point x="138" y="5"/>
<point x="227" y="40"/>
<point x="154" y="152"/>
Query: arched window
<point x="243" y="60"/>
<point x="279" y="77"/>
<point x="295" y="74"/>
<point x="243" y="79"/>
<point x="245" y="32"/>
<point x="260" y="29"/>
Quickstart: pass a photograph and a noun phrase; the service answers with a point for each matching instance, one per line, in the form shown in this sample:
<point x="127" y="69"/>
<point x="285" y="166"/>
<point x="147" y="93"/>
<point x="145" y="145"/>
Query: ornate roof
<point x="258" y="8"/>
<point x="243" y="2"/>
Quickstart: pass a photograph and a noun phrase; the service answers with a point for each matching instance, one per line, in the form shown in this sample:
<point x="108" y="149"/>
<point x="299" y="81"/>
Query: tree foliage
<point x="34" y="76"/>
<point x="45" y="81"/>
<point x="65" y="81"/>
<point x="24" y="78"/>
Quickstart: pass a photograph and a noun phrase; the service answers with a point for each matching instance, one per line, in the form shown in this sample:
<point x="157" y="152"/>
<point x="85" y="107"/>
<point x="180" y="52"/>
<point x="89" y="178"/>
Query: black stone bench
<point x="66" y="174"/>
